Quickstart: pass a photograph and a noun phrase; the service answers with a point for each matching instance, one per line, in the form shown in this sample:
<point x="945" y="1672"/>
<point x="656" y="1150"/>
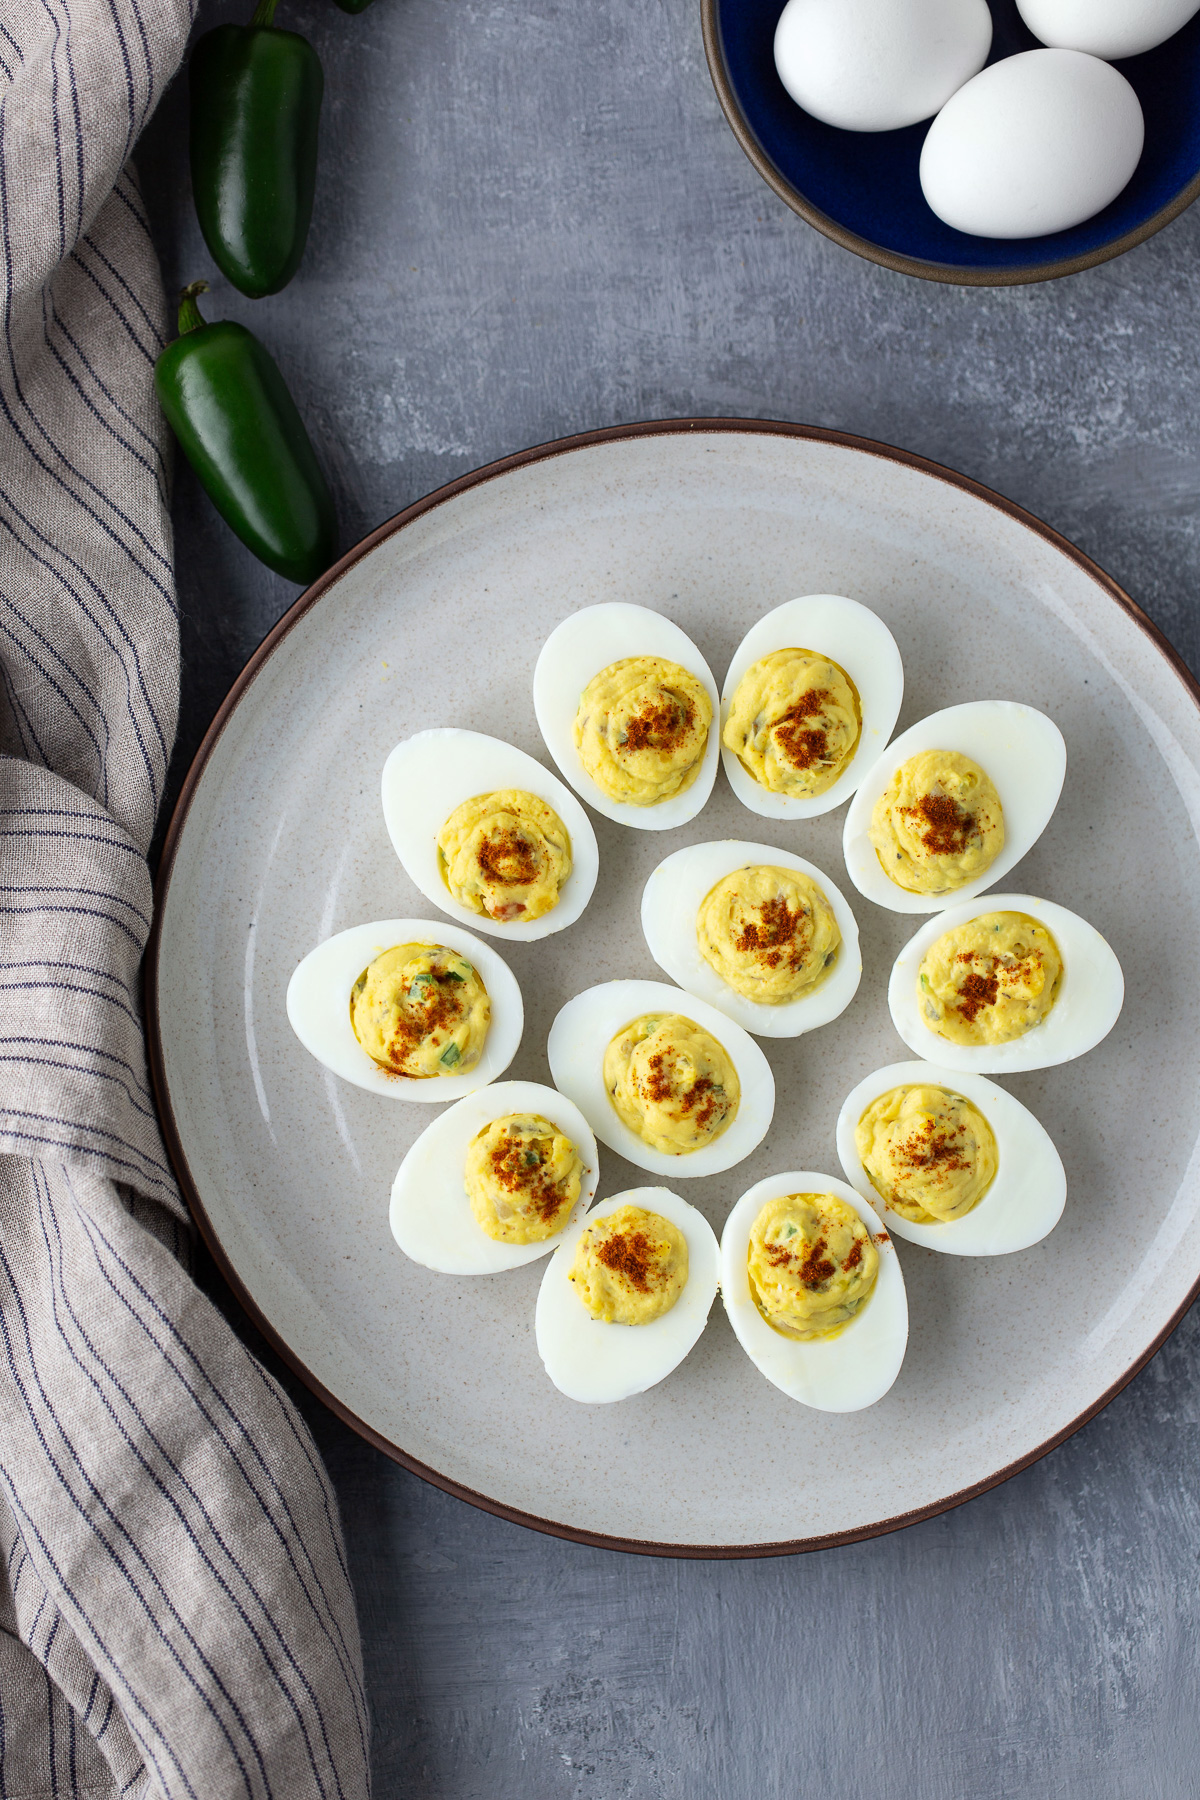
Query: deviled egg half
<point x="662" y="1078"/>
<point x="762" y="935"/>
<point x="957" y="1164"/>
<point x="626" y="1295"/>
<point x="416" y="1009"/>
<point x="629" y="711"/>
<point x="488" y="835"/>
<point x="495" y="1180"/>
<point x="812" y="1285"/>
<point x="1005" y="982"/>
<point x="809" y="702"/>
<point x="952" y="804"/>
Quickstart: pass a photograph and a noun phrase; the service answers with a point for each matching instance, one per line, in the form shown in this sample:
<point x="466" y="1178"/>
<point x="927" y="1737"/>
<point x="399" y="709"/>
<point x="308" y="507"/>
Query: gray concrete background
<point x="532" y="220"/>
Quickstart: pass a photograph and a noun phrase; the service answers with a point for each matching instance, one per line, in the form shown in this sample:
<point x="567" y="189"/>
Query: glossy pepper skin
<point x="255" y="107"/>
<point x="237" y="424"/>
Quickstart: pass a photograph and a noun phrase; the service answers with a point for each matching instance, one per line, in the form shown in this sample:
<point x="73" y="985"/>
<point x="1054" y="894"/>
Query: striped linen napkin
<point x="176" y="1617"/>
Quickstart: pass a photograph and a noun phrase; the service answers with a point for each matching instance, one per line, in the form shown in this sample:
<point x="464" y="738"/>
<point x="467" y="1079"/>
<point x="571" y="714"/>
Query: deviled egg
<point x="812" y="1285"/>
<point x="626" y="1295"/>
<point x="762" y="935"/>
<point x="628" y="708"/>
<point x="412" y="1008"/>
<point x="495" y="1180"/>
<point x="662" y="1078"/>
<point x="487" y="834"/>
<point x="958" y="1164"/>
<point x="809" y="702"/>
<point x="1003" y="983"/>
<point x="953" y="803"/>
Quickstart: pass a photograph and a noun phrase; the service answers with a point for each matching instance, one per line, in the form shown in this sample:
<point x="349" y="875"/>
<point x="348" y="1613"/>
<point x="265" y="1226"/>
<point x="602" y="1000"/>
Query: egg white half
<point x="575" y="651"/>
<point x="1088" y="1004"/>
<point x="671" y="900"/>
<point x="318" y="1007"/>
<point x="427" y="776"/>
<point x="1028" y="1192"/>
<point x="596" y="1363"/>
<point x="1023" y="752"/>
<point x="431" y="1216"/>
<point x="581" y="1034"/>
<point x="855" y="638"/>
<point x="836" y="1374"/>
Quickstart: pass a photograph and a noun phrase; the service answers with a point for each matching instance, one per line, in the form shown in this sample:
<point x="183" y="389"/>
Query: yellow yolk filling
<point x="421" y="1010"/>
<point x="794" y="722"/>
<point x="505" y="854"/>
<point x="641" y="729"/>
<point x="769" y="933"/>
<point x="812" y="1265"/>
<point x="523" y="1176"/>
<point x="671" y="1082"/>
<point x="938" y="824"/>
<point x="630" y="1267"/>
<point x="929" y="1153"/>
<point x="990" y="980"/>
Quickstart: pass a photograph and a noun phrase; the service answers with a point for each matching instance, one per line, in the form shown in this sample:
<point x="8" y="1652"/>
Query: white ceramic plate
<point x="279" y="842"/>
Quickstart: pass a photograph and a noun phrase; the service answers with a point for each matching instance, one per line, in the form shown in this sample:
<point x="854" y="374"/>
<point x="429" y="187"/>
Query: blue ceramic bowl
<point x="863" y="190"/>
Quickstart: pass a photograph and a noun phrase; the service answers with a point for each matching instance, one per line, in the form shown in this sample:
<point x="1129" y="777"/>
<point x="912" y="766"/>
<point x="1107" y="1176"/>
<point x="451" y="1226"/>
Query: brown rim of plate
<point x="953" y="273"/>
<point x="541" y="453"/>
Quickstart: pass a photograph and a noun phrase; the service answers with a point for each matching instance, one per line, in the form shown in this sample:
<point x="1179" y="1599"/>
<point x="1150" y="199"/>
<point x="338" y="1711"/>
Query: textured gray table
<point x="532" y="220"/>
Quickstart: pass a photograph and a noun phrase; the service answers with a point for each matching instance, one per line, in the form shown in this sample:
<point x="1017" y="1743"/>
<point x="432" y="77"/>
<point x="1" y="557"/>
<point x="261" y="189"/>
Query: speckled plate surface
<point x="279" y="840"/>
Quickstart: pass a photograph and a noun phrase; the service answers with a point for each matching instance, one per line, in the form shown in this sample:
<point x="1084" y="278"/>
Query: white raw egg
<point x="1034" y="144"/>
<point x="1023" y="752"/>
<point x="841" y="1373"/>
<point x="318" y="1007"/>
<point x="670" y="902"/>
<point x="1026" y="1196"/>
<point x="427" y="776"/>
<point x="595" y="1362"/>
<point x="874" y="65"/>
<point x="1087" y="1007"/>
<point x="578" y="649"/>
<point x="1108" y="28"/>
<point x="431" y="1214"/>
<point x="849" y="634"/>
<point x="586" y="1026"/>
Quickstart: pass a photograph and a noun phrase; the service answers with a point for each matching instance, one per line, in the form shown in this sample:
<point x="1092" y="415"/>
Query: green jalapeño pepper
<point x="255" y="106"/>
<point x="230" y="408"/>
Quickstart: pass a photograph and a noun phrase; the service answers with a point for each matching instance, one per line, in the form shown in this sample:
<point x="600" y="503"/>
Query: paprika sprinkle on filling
<point x="769" y="933"/>
<point x="990" y="980"/>
<point x="523" y="1176"/>
<point x="928" y="1152"/>
<point x="630" y="1267"/>
<point x="812" y="1265"/>
<point x="641" y="729"/>
<point x="938" y="824"/>
<point x="794" y="722"/>
<point x="671" y="1082"/>
<point x="506" y="855"/>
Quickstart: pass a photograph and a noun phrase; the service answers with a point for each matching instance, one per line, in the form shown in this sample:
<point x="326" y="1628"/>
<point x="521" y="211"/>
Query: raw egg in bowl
<point x="762" y="935"/>
<point x="662" y="1077"/>
<point x="629" y="711"/>
<point x="626" y="1295"/>
<point x="488" y="835"/>
<point x="495" y="1180"/>
<point x="809" y="702"/>
<point x="1005" y="982"/>
<point x="957" y="1163"/>
<point x="415" y="1009"/>
<point x="952" y="804"/>
<point x="814" y="1292"/>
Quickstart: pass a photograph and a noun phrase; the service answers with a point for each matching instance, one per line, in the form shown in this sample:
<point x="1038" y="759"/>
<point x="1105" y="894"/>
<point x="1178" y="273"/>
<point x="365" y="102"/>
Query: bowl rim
<point x="952" y="274"/>
<point x="171" y="1135"/>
